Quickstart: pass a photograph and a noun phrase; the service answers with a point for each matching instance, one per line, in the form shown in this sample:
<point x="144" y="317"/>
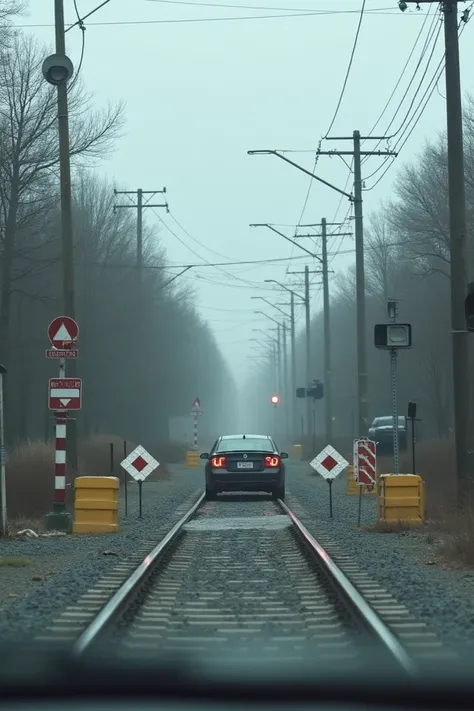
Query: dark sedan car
<point x="245" y="463"/>
<point x="381" y="430"/>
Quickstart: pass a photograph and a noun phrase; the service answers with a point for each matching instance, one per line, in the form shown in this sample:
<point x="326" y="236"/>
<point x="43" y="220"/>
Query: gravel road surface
<point x="39" y="577"/>
<point x="404" y="563"/>
<point x="50" y="574"/>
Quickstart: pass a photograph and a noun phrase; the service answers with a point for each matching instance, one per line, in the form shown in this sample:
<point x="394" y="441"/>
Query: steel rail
<point x="119" y="599"/>
<point x="352" y="597"/>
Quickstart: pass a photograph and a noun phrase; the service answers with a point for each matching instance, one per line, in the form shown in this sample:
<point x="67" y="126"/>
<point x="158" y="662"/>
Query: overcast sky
<point x="204" y="82"/>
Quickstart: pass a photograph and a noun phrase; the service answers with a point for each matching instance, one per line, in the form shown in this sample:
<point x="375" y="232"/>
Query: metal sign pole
<point x="125" y="479"/>
<point x="393" y="376"/>
<point x="330" y="497"/>
<point x="140" y="484"/>
<point x="359" y="514"/>
<point x="111" y="447"/>
<point x="3" y="480"/>
<point x="413" y="444"/>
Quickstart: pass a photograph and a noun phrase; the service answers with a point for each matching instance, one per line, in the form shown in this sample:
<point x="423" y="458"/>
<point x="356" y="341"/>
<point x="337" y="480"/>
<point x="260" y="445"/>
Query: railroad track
<point x="243" y="574"/>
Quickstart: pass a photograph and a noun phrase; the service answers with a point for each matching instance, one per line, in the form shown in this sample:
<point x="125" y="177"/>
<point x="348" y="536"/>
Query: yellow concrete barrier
<point x="192" y="458"/>
<point x="298" y="452"/>
<point x="353" y="487"/>
<point x="401" y="498"/>
<point x="96" y="504"/>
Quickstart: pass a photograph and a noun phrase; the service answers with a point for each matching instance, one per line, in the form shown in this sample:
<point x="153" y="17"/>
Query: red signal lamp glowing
<point x="275" y="399"/>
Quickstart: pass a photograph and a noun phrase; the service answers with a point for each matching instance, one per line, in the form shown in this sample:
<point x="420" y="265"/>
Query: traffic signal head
<point x="275" y="399"/>
<point x="316" y="390"/>
<point x="392" y="335"/>
<point x="469" y="307"/>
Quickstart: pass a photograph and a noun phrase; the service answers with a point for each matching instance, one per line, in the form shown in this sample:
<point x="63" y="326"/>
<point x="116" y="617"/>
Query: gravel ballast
<point x="406" y="564"/>
<point x="60" y="570"/>
<point x="51" y="573"/>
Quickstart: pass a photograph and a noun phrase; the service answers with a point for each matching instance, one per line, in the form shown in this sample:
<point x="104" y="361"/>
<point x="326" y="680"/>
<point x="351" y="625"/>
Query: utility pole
<point x="294" y="419"/>
<point x="308" y="348"/>
<point x="362" y="375"/>
<point x="67" y="241"/>
<point x="57" y="70"/>
<point x="309" y="368"/>
<point x="307" y="307"/>
<point x="293" y="354"/>
<point x="286" y="399"/>
<point x="67" y="238"/>
<point x="139" y="208"/>
<point x="327" y="338"/>
<point x="458" y="250"/>
<point x="327" y="319"/>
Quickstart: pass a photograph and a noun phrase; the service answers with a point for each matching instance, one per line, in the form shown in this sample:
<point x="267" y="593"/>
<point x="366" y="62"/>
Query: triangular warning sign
<point x="62" y="334"/>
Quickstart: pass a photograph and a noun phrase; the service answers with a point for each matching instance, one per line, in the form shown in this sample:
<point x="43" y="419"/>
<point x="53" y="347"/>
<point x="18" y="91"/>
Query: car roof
<point x="247" y="436"/>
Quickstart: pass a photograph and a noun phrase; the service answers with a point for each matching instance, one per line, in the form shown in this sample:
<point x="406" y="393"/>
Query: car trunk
<point x="253" y="462"/>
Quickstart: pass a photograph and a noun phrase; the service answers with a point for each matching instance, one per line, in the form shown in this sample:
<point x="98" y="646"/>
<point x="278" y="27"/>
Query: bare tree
<point x="381" y="251"/>
<point x="29" y="148"/>
<point x="420" y="212"/>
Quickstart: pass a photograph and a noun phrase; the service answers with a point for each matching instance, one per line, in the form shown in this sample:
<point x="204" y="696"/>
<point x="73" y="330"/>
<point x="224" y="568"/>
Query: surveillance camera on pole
<point x="57" y="69"/>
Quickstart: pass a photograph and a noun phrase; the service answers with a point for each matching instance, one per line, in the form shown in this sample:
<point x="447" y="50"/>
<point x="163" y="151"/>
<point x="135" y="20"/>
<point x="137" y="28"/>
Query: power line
<point x="351" y="59"/>
<point x="184" y="20"/>
<point x="341" y="96"/>
<point x="430" y="88"/>
<point x="433" y="48"/>
<point x="402" y="74"/>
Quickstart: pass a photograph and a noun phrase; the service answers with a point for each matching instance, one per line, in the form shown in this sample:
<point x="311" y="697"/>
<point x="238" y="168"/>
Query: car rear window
<point x="249" y="445"/>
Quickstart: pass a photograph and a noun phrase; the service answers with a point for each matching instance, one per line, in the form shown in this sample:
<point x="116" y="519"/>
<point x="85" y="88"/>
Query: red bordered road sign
<point x="365" y="462"/>
<point x="63" y="332"/>
<point x="65" y="394"/>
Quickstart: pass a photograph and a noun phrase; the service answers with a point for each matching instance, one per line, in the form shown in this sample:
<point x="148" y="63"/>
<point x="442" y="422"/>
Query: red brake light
<point x="272" y="461"/>
<point x="218" y="462"/>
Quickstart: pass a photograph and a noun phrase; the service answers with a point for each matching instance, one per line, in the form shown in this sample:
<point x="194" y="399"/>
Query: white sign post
<point x="139" y="464"/>
<point x="329" y="464"/>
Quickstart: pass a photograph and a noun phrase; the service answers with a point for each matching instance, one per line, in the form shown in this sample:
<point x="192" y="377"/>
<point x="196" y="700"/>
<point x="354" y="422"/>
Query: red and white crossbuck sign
<point x="365" y="462"/>
<point x="139" y="464"/>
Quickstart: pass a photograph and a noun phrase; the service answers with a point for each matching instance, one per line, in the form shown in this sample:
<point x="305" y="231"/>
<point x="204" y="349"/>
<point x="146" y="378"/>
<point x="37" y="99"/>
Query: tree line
<point x="144" y="352"/>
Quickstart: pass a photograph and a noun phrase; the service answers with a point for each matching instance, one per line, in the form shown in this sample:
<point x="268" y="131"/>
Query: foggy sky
<point x="199" y="94"/>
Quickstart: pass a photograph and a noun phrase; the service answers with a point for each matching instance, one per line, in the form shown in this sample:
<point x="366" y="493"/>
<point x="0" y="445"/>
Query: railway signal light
<point x="392" y="335"/>
<point x="275" y="399"/>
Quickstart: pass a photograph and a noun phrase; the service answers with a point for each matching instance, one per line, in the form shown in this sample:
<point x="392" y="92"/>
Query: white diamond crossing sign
<point x="139" y="464"/>
<point x="329" y="463"/>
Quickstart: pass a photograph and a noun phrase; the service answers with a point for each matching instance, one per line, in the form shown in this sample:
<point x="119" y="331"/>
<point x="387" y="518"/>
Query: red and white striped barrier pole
<point x="59" y="500"/>
<point x="195" y="430"/>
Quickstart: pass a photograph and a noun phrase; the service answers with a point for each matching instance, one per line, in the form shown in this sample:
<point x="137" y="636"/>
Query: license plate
<point x="244" y="465"/>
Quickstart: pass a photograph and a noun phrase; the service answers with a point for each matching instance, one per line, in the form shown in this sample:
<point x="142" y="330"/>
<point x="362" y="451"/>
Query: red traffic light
<point x="275" y="399"/>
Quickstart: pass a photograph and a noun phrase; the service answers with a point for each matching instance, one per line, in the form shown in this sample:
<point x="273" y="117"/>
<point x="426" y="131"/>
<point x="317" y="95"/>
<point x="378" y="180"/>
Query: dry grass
<point x="452" y="532"/>
<point x="435" y="463"/>
<point x="30" y="480"/>
<point x="30" y="475"/>
<point x="21" y="523"/>
<point x="13" y="562"/>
